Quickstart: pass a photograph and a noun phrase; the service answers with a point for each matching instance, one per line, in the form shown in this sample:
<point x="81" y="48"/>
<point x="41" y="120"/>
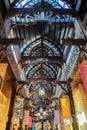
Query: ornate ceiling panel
<point x="54" y="3"/>
<point x="42" y="24"/>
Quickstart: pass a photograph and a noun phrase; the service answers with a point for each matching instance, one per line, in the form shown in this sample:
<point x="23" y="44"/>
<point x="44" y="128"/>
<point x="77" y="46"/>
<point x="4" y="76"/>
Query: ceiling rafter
<point x="41" y="68"/>
<point x="11" y="41"/>
<point x="48" y="80"/>
<point x="30" y="11"/>
<point x="75" y="42"/>
<point x="32" y="58"/>
<point x="50" y="22"/>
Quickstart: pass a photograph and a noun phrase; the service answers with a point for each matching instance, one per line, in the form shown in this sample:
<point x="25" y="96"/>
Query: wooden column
<point x="42" y="125"/>
<point x="72" y="108"/>
<point x="26" y="127"/>
<point x="61" y="118"/>
<point x="20" y="124"/>
<point x="10" y="113"/>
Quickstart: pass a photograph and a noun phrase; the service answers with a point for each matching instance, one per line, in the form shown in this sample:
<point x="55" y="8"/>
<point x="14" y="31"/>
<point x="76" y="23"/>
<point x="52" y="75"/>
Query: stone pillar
<point x="10" y="113"/>
<point x="72" y="109"/>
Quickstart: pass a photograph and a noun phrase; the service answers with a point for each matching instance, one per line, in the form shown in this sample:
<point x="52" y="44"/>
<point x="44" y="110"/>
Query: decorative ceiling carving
<point x="38" y="29"/>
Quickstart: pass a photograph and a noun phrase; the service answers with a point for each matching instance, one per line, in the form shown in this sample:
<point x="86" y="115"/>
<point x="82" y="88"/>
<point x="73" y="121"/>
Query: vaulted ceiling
<point x="42" y="24"/>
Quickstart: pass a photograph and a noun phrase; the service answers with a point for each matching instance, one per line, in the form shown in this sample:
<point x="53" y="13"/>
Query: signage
<point x="83" y="71"/>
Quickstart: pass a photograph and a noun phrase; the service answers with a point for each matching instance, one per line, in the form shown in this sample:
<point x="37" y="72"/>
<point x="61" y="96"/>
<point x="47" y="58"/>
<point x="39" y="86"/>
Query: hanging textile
<point x="56" y="117"/>
<point x="30" y="122"/>
<point x="33" y="126"/>
<point x="83" y="71"/>
<point x="26" y="116"/>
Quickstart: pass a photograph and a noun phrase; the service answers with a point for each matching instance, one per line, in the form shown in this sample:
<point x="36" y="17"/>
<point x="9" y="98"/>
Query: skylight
<point x="55" y="3"/>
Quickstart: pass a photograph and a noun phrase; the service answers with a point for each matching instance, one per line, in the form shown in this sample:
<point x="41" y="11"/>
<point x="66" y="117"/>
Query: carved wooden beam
<point x="75" y="42"/>
<point x="44" y="58"/>
<point x="9" y="41"/>
<point x="46" y="91"/>
<point x="32" y="11"/>
<point x="28" y="81"/>
<point x="48" y="80"/>
<point x="44" y="100"/>
<point x="42" y="21"/>
<point x="36" y="79"/>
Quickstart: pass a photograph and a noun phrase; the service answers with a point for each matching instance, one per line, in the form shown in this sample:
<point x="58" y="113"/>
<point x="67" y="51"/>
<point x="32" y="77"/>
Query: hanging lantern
<point x="41" y="92"/>
<point x="41" y="116"/>
<point x="41" y="110"/>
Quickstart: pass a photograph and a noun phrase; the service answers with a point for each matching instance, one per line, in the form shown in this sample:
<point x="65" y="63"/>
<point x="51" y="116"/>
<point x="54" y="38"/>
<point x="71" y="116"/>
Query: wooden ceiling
<point x="38" y="30"/>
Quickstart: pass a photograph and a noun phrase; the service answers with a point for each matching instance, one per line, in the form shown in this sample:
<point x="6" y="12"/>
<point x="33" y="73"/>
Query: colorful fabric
<point x="56" y="117"/>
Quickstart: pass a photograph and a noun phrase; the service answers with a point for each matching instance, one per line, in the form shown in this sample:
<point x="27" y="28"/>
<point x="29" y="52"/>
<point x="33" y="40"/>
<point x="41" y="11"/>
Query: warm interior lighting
<point x="15" y="125"/>
<point x="41" y="117"/>
<point x="41" y="110"/>
<point x="41" y="92"/>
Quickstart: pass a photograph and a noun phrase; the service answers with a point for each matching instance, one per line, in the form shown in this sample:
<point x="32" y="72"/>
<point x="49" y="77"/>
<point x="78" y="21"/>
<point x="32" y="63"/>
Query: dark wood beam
<point x="11" y="108"/>
<point x="50" y="58"/>
<point x="9" y="41"/>
<point x="49" y="80"/>
<point x="29" y="80"/>
<point x="42" y="21"/>
<point x="38" y="79"/>
<point x="32" y="11"/>
<point x="72" y="108"/>
<point x="36" y="101"/>
<point x="48" y="92"/>
<point x="42" y="2"/>
<point x="43" y="100"/>
<point x="75" y="42"/>
<point x="54" y="33"/>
